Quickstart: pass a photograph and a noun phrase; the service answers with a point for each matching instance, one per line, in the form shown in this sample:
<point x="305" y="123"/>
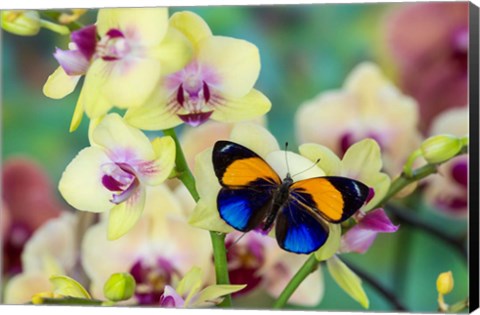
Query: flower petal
<point x="205" y="216"/>
<point x="72" y="61"/>
<point x="329" y="161"/>
<point x="298" y="166"/>
<point x="378" y="221"/>
<point x="52" y="245"/>
<point x="358" y="240"/>
<point x="332" y="244"/>
<point x="213" y="292"/>
<point x="154" y="113"/>
<point x="170" y="298"/>
<point x="255" y="137"/>
<point x="252" y="105"/>
<point x="174" y="52"/>
<point x="67" y="286"/>
<point x="347" y="280"/>
<point x="157" y="171"/>
<point x="77" y="113"/>
<point x="190" y="284"/>
<point x="21" y="288"/>
<point x="121" y="140"/>
<point x="191" y="25"/>
<point x="81" y="182"/>
<point x="236" y="62"/>
<point x="94" y="101"/>
<point x="125" y="215"/>
<point x="362" y="159"/>
<point x="147" y="25"/>
<point x="129" y="83"/>
<point x="59" y="84"/>
<point x="86" y="41"/>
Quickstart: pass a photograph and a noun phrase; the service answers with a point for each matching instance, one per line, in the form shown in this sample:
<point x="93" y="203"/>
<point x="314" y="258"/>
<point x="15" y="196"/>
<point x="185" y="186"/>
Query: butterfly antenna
<point x="314" y="164"/>
<point x="236" y="241"/>
<point x="286" y="158"/>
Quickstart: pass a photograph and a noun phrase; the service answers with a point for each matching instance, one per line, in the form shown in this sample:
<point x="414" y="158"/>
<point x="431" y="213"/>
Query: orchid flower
<point x="368" y="106"/>
<point x="159" y="250"/>
<point x="189" y="293"/>
<point x="122" y="65"/>
<point x="217" y="83"/>
<point x="113" y="173"/>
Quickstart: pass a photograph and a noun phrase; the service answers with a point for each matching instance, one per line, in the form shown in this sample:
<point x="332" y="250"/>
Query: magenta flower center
<point x="121" y="178"/>
<point x="113" y="46"/>
<point x="151" y="279"/>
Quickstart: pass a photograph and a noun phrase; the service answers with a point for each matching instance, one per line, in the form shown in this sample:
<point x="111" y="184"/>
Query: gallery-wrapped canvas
<point x="297" y="157"/>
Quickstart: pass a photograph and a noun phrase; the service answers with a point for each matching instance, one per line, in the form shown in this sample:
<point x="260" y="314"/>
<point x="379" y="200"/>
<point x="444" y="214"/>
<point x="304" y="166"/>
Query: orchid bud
<point x="24" y="23"/>
<point x="440" y="148"/>
<point x="119" y="287"/>
<point x="445" y="282"/>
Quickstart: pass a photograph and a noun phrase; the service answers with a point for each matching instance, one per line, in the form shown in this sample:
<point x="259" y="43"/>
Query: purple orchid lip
<point x="86" y="40"/>
<point x="195" y="119"/>
<point x="73" y="62"/>
<point x="459" y="172"/>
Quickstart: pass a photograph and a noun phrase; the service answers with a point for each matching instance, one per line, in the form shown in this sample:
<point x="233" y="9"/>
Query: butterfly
<point x="253" y="196"/>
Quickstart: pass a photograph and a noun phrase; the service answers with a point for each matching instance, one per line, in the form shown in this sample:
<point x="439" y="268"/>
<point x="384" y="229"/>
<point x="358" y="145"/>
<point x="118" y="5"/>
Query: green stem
<point x="307" y="268"/>
<point x="54" y="15"/>
<point x="404" y="180"/>
<point x="57" y="28"/>
<point x="218" y="239"/>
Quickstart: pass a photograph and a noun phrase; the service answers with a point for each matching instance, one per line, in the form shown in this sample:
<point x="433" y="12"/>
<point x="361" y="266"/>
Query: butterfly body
<point x="253" y="196"/>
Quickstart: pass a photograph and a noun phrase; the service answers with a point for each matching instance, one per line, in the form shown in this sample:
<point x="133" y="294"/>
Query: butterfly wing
<point x="248" y="184"/>
<point x="333" y="198"/>
<point x="297" y="230"/>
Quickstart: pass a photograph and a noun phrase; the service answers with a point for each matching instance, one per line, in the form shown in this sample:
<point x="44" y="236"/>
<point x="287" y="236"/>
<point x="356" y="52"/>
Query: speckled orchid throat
<point x="193" y="96"/>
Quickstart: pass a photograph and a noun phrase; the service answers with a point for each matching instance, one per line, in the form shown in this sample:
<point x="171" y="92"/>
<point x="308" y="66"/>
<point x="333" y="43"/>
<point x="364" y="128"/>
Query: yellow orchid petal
<point x="94" y="102"/>
<point x="129" y="84"/>
<point x="124" y="216"/>
<point x="174" y="52"/>
<point x="191" y="25"/>
<point x="236" y="62"/>
<point x="252" y="105"/>
<point x="380" y="182"/>
<point x="362" y="159"/>
<point x="298" y="166"/>
<point x="59" y="84"/>
<point x="206" y="181"/>
<point x="190" y="284"/>
<point x="81" y="182"/>
<point x="329" y="161"/>
<point x="113" y="133"/>
<point x="332" y="244"/>
<point x="67" y="286"/>
<point x="153" y="114"/>
<point x="94" y="122"/>
<point x="347" y="280"/>
<point x="255" y="137"/>
<point x="205" y="216"/>
<point x="213" y="292"/>
<point x="149" y="24"/>
<point x="22" y="287"/>
<point x="77" y="113"/>
<point x="163" y="164"/>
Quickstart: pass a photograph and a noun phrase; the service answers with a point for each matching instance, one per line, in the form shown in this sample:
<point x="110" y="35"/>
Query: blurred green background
<point x="305" y="49"/>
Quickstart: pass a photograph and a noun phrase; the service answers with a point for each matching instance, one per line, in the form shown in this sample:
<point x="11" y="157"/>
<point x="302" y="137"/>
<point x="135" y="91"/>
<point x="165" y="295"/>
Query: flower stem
<point x="307" y="268"/>
<point x="458" y="307"/>
<point x="406" y="179"/>
<point x="218" y="239"/>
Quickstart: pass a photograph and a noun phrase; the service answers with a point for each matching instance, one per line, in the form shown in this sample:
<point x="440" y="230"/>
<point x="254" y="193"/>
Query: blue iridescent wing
<point x="298" y="230"/>
<point x="248" y="184"/>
